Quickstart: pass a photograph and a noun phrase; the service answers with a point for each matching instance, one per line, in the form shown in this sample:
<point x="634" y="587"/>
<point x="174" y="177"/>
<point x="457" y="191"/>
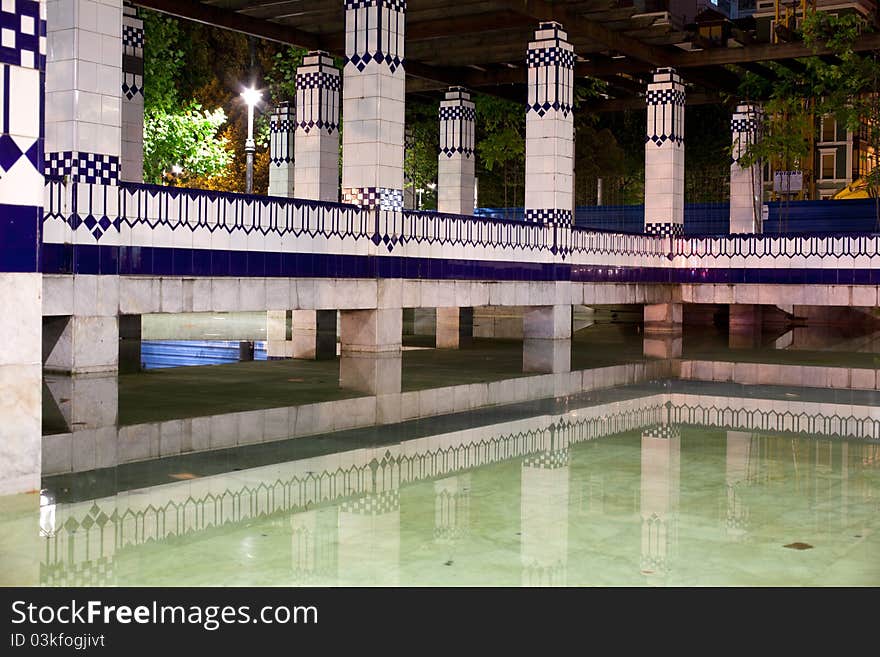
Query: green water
<point x="639" y="478"/>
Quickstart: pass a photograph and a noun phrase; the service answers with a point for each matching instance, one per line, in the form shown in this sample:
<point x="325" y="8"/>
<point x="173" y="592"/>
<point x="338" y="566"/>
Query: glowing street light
<point x="251" y="97"/>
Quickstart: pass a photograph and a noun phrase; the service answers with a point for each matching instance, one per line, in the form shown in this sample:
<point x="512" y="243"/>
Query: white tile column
<point x="281" y="151"/>
<point x="22" y="62"/>
<point x="746" y="184"/>
<point x="455" y="165"/>
<point x="317" y="128"/>
<point x="550" y="128"/>
<point x="132" y="153"/>
<point x="374" y="89"/>
<point x="83" y="90"/>
<point x="664" y="155"/>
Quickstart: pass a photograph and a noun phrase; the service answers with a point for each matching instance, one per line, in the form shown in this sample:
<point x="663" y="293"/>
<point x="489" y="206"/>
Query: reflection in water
<point x="659" y="472"/>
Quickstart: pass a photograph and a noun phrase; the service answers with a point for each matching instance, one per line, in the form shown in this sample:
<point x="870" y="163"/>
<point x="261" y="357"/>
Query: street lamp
<point x="251" y="97"/>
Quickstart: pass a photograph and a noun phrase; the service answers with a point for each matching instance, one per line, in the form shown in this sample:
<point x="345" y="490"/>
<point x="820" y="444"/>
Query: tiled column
<point x="22" y="62"/>
<point x="132" y="155"/>
<point x="658" y="502"/>
<point x="664" y="155"/>
<point x="547" y="338"/>
<point x="281" y="151"/>
<point x="544" y="508"/>
<point x="374" y="86"/>
<point x="550" y="128"/>
<point x="746" y="185"/>
<point x="455" y="165"/>
<point x="369" y="540"/>
<point x="83" y="90"/>
<point x="317" y="128"/>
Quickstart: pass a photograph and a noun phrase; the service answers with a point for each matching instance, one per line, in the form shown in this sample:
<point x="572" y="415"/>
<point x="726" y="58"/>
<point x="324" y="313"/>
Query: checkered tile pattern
<point x="661" y="431"/>
<point x="132" y="85"/>
<point x="549" y="460"/>
<point x="283" y="125"/>
<point x="743" y="125"/>
<point x="84" y="167"/>
<point x="458" y="112"/>
<point x="394" y="5"/>
<point x="664" y="229"/>
<point x="132" y="36"/>
<point x="552" y="56"/>
<point x="548" y="216"/>
<point x="23" y="34"/>
<point x="375" y="504"/>
<point x="373" y="197"/>
<point x="317" y="80"/>
<point x="663" y="96"/>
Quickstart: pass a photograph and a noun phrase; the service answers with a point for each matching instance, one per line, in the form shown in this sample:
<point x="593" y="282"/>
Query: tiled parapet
<point x="317" y="128"/>
<point x="746" y="183"/>
<point x="374" y="86"/>
<point x="664" y="154"/>
<point x="550" y="128"/>
<point x="132" y="148"/>
<point x="281" y="151"/>
<point x="84" y="85"/>
<point x="455" y="165"/>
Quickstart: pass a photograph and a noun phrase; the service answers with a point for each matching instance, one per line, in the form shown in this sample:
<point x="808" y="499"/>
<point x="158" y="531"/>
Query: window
<point x="829" y="129"/>
<point x="828" y="166"/>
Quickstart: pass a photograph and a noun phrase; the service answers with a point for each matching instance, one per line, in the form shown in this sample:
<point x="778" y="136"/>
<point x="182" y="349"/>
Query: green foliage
<point x="422" y="146"/>
<point x="281" y="77"/>
<point x="186" y="139"/>
<point x="176" y="136"/>
<point x="502" y="124"/>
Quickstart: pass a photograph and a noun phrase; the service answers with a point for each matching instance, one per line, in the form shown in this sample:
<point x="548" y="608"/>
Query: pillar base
<point x="80" y="344"/>
<point x="663" y="318"/>
<point x="744" y="324"/>
<point x="371" y="331"/>
<point x="662" y="346"/>
<point x="547" y="322"/>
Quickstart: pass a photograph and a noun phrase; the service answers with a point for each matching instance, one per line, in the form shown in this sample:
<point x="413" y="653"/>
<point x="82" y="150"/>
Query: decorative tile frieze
<point x="84" y="167"/>
<point x="23" y="33"/>
<point x="664" y="229"/>
<point x="377" y="33"/>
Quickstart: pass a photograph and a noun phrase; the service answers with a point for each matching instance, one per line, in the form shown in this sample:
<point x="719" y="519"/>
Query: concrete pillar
<point x="373" y="104"/>
<point x="129" y="343"/>
<point x="378" y="330"/>
<point x="746" y="183"/>
<point x="744" y="322"/>
<point x="81" y="344"/>
<point x="658" y="502"/>
<point x="317" y="128"/>
<point x="547" y="339"/>
<point x="663" y="318"/>
<point x="739" y="452"/>
<point x="132" y="153"/>
<point x="550" y="128"/>
<point x="89" y="406"/>
<point x="664" y="155"/>
<point x="313" y="334"/>
<point x="455" y="165"/>
<point x="544" y="508"/>
<point x="22" y="62"/>
<point x="371" y="373"/>
<point x="455" y="327"/>
<point x="281" y="151"/>
<point x="279" y="343"/>
<point x="84" y="90"/>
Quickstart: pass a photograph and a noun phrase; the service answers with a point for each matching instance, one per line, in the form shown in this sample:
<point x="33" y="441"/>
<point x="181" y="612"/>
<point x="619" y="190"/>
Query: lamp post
<point x="251" y="97"/>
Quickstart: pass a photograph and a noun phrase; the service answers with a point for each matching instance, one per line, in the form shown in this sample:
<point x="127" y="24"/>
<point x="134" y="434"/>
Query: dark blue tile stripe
<point x="20" y="238"/>
<point x="155" y="261"/>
